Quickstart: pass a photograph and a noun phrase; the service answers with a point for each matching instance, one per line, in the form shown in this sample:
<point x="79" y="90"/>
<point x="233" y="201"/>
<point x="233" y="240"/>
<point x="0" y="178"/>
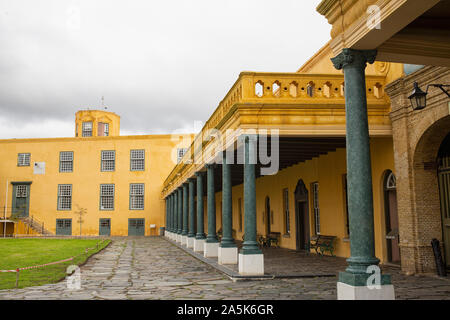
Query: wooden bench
<point x="323" y="244"/>
<point x="272" y="239"/>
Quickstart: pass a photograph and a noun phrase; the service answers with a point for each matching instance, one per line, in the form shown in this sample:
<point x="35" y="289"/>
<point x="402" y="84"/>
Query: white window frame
<point x="86" y="131"/>
<point x="108" y="160"/>
<point x="107" y="197"/>
<point x="137" y="160"/>
<point x="137" y="192"/>
<point x="23" y="159"/>
<point x="65" y="158"/>
<point x="64" y="197"/>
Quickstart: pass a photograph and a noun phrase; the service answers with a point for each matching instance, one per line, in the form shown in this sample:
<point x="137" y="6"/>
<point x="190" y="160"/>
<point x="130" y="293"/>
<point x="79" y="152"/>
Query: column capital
<point x="191" y="179"/>
<point x="200" y="173"/>
<point x="354" y="57"/>
<point x="211" y="165"/>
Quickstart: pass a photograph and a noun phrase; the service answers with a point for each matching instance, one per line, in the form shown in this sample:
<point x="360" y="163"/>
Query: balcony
<point x="296" y="103"/>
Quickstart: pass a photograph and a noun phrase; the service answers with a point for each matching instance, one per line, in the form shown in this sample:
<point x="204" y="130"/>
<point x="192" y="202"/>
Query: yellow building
<point x="306" y="196"/>
<point x="112" y="181"/>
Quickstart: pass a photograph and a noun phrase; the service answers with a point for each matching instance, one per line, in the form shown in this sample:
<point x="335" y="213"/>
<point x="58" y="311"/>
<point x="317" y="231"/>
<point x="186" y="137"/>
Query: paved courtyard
<point x="153" y="268"/>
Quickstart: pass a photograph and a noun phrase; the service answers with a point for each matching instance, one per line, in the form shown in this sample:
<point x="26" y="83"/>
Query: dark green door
<point x="21" y="199"/>
<point x="105" y="227"/>
<point x="136" y="227"/>
<point x="64" y="227"/>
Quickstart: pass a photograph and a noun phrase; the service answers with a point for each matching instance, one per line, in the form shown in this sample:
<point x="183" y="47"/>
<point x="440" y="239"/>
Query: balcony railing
<point x="268" y="89"/>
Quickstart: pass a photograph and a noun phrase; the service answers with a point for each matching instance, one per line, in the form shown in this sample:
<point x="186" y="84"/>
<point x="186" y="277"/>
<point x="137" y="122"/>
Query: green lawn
<point x="16" y="253"/>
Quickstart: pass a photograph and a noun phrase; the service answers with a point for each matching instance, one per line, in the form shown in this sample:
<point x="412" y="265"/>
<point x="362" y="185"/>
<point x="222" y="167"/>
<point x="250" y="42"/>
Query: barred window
<point x="315" y="196"/>
<point x="21" y="191"/>
<point x="23" y="159"/>
<point x="87" y="129"/>
<point x="108" y="160"/>
<point x="66" y="161"/>
<point x="63" y="223"/>
<point x="180" y="153"/>
<point x="106" y="197"/>
<point x="137" y="160"/>
<point x="64" y="197"/>
<point x="137" y="196"/>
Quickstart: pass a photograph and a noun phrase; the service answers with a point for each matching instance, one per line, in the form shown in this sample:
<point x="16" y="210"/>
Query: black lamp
<point x="418" y="98"/>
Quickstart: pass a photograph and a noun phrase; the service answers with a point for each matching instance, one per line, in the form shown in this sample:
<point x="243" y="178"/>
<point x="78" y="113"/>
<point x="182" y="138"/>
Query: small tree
<point x="80" y="211"/>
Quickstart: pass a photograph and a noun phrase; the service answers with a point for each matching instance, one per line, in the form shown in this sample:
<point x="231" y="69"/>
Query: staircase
<point x="36" y="225"/>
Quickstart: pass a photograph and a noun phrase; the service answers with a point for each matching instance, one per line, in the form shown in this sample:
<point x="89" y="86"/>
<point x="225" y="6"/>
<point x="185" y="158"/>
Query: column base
<point x="251" y="264"/>
<point x="227" y="255"/>
<point x="348" y="292"/>
<point x="210" y="249"/>
<point x="190" y="242"/>
<point x="178" y="238"/>
<point x="199" y="245"/>
<point x="183" y="240"/>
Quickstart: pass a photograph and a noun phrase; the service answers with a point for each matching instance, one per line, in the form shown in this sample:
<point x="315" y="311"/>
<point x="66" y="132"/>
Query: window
<point x="64" y="227"/>
<point x="106" y="197"/>
<point x="22" y="191"/>
<point x="103" y="129"/>
<point x="66" y="161"/>
<point x="180" y="154"/>
<point x="64" y="196"/>
<point x="87" y="129"/>
<point x="287" y="227"/>
<point x="137" y="160"/>
<point x="315" y="201"/>
<point x="23" y="159"/>
<point x="344" y="182"/>
<point x="108" y="160"/>
<point x="137" y="196"/>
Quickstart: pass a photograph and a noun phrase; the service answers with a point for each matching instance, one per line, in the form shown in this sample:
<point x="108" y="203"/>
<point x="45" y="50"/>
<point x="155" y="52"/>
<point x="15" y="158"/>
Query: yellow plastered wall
<point x="328" y="171"/>
<point x="97" y="116"/>
<point x="87" y="177"/>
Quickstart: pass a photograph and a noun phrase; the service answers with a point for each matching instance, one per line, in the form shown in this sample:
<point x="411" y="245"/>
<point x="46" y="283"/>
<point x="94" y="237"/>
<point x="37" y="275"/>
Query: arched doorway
<point x="268" y="220"/>
<point x="444" y="193"/>
<point x="391" y="217"/>
<point x="301" y="215"/>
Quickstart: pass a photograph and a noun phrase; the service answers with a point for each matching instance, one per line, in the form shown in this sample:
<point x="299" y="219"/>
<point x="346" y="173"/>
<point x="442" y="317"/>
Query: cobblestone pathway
<point x="152" y="268"/>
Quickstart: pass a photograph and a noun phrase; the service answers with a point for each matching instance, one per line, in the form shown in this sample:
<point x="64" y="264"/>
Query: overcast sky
<point x="161" y="65"/>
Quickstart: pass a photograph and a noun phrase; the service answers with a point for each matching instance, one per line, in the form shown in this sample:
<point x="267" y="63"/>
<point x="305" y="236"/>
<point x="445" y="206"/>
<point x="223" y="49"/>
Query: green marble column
<point x="250" y="245"/>
<point x="359" y="172"/>
<point x="200" y="210"/>
<point x="211" y="202"/>
<point x="167" y="213"/>
<point x="185" y="209"/>
<point x="180" y="210"/>
<point x="175" y="211"/>
<point x="191" y="231"/>
<point x="227" y="214"/>
<point x="171" y="213"/>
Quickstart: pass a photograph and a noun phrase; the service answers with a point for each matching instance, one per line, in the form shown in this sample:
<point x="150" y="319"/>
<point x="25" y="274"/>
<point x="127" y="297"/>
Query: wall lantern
<point x="418" y="98"/>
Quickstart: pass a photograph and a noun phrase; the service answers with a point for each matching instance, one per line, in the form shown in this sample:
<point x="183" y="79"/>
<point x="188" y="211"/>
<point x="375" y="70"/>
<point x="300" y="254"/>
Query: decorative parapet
<point x="280" y="95"/>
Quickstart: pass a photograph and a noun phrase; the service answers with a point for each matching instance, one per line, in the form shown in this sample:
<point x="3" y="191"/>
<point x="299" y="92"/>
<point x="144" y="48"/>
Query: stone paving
<point x="153" y="268"/>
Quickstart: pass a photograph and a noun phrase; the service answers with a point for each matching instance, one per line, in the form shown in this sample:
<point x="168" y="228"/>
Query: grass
<point x="16" y="253"/>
